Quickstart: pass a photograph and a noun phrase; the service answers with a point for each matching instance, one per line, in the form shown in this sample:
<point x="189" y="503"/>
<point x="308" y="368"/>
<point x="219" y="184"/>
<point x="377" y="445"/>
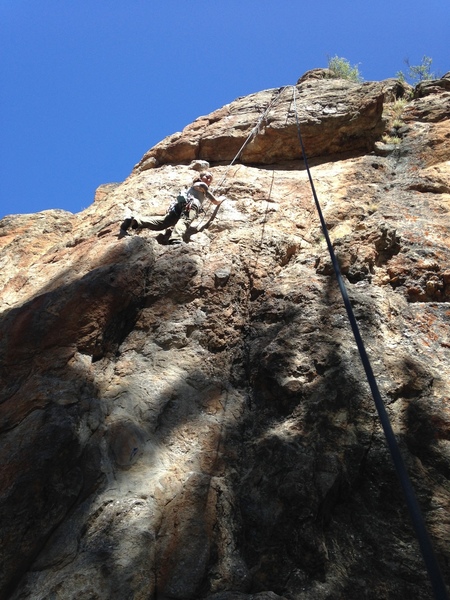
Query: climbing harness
<point x="434" y="573"/>
<point x="183" y="204"/>
<point x="178" y="205"/>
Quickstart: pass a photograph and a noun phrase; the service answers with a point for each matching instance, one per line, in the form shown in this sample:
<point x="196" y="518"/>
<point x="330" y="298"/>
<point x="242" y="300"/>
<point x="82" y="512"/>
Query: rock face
<point x="194" y="422"/>
<point x="336" y="116"/>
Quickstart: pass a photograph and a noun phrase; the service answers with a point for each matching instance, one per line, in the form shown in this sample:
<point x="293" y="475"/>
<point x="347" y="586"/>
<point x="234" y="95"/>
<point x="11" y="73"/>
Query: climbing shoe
<point x="122" y="233"/>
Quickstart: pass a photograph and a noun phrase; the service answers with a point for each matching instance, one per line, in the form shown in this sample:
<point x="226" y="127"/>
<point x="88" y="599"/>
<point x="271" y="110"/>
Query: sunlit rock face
<point x="194" y="422"/>
<point x="336" y="116"/>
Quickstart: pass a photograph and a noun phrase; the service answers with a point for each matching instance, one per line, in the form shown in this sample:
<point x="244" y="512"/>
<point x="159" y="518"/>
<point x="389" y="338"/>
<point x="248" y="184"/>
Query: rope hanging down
<point x="252" y="133"/>
<point x="432" y="566"/>
<point x="250" y="136"/>
<point x="437" y="582"/>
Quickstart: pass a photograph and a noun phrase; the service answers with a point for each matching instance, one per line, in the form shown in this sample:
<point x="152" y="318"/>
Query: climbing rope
<point x="252" y="133"/>
<point x="250" y="136"/>
<point x="437" y="582"/>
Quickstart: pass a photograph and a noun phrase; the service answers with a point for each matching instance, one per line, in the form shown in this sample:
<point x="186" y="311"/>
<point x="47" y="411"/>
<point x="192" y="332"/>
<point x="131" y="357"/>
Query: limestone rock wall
<point x="194" y="422"/>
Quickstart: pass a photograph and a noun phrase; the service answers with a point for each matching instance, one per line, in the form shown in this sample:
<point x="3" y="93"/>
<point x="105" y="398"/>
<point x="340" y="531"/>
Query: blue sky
<point x="88" y="86"/>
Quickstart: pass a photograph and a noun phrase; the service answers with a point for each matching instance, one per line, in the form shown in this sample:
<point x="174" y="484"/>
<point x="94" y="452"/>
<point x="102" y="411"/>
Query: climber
<point x="180" y="213"/>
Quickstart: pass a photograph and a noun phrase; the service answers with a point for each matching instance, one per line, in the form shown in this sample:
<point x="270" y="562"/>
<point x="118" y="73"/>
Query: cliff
<point x="194" y="422"/>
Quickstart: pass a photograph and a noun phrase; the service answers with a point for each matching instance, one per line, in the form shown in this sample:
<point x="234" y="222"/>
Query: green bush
<point x="418" y="73"/>
<point x="341" y="69"/>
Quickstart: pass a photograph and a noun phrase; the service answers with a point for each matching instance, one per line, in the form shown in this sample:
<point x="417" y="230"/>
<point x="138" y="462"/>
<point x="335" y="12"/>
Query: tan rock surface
<point x="336" y="116"/>
<point x="194" y="422"/>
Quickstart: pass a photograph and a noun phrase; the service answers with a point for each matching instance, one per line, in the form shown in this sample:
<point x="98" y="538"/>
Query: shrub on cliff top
<point x="340" y="68"/>
<point x="418" y="73"/>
